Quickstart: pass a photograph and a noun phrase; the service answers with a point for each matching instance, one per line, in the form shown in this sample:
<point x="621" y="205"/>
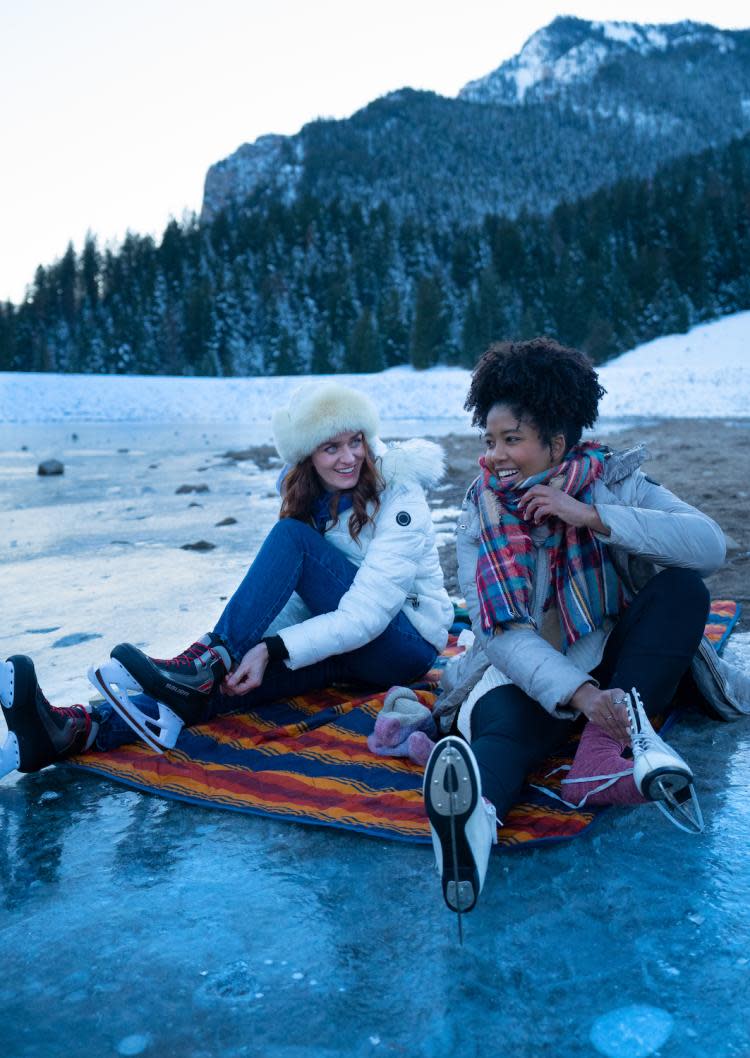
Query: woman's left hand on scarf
<point x="542" y="501"/>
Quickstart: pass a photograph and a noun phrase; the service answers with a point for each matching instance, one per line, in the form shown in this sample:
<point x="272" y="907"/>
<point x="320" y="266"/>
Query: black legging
<point x="650" y="648"/>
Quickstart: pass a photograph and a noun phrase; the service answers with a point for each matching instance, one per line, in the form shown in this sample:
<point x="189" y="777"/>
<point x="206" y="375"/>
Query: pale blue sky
<point x="112" y="112"/>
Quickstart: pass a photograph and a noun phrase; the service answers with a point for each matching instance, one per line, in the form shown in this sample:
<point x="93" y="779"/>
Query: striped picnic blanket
<point x="306" y="760"/>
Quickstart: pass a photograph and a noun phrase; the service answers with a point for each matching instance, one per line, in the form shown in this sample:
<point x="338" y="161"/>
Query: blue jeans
<point x="295" y="557"/>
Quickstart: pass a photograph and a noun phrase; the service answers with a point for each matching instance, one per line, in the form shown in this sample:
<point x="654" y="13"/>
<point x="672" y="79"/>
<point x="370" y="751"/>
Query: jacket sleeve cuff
<point x="557" y="702"/>
<point x="276" y="647"/>
<point x="619" y="525"/>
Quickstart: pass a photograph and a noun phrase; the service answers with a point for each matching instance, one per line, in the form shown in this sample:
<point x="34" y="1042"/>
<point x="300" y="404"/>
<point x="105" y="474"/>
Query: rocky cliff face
<point x="270" y="160"/>
<point x="582" y="105"/>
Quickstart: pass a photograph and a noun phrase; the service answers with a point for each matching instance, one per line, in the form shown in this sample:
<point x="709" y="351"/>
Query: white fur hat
<point x="317" y="412"/>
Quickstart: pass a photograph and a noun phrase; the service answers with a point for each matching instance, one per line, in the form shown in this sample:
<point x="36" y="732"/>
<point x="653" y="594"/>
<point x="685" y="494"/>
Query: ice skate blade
<point x="683" y="809"/>
<point x="455" y="896"/>
<point x="7" y="681"/>
<point x="10" y="755"/>
<point x="114" y="681"/>
<point x="451" y="794"/>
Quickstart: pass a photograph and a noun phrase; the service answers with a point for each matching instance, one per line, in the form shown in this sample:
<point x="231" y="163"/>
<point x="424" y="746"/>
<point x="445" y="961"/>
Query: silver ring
<point x="620" y="701"/>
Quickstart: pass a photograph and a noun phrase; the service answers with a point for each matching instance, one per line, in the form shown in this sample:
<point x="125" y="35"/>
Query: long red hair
<point x="302" y="488"/>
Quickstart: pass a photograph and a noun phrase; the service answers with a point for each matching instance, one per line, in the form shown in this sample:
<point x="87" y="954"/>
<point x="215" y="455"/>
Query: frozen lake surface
<point x="132" y="925"/>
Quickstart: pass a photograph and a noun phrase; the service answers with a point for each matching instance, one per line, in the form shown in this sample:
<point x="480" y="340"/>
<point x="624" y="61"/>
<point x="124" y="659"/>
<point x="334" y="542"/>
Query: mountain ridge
<point x="660" y="91"/>
<point x="570" y="48"/>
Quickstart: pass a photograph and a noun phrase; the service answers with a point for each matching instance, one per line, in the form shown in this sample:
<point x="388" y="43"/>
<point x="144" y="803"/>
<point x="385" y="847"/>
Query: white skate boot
<point x="660" y="773"/>
<point x="463" y="824"/>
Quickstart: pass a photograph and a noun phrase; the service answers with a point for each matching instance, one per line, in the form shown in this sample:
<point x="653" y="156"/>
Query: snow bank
<point x="702" y="374"/>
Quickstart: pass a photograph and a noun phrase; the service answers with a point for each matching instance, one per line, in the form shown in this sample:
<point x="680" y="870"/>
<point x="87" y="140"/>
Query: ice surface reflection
<point x="201" y="932"/>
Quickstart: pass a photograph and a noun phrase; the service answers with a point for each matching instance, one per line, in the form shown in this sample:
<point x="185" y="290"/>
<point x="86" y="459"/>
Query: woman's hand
<point x="543" y="501"/>
<point x="249" y="673"/>
<point x="605" y="708"/>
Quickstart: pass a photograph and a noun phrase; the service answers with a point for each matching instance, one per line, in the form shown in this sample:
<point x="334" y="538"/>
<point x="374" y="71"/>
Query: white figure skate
<point x="660" y="773"/>
<point x="462" y="823"/>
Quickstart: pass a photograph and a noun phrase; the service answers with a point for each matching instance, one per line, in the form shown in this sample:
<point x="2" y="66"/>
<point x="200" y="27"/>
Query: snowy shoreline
<point x="702" y="374"/>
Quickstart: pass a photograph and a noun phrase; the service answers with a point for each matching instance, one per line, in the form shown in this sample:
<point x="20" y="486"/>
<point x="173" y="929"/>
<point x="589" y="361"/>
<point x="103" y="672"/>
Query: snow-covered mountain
<point x="582" y="105"/>
<point x="572" y="51"/>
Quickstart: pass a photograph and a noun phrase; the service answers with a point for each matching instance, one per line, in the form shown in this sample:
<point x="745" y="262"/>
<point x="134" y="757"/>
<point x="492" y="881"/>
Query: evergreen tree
<point x="393" y="330"/>
<point x="430" y="329"/>
<point x="90" y="265"/>
<point x="363" y="351"/>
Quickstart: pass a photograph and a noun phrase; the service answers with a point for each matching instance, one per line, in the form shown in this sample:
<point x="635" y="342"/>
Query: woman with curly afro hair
<point x="583" y="580"/>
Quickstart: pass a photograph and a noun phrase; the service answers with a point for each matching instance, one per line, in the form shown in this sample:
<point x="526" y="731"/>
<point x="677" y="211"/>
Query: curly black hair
<point x="553" y="387"/>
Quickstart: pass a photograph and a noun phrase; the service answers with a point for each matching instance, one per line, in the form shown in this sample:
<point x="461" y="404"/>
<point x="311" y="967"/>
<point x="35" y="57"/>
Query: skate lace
<point x="642" y="736"/>
<point x="72" y="711"/>
<point x="645" y="741"/>
<point x="186" y="659"/>
<point x="77" y="713"/>
<point x="491" y="813"/>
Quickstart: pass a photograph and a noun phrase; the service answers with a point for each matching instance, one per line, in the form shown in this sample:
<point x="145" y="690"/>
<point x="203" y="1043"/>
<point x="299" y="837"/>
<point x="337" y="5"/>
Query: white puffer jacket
<point x="399" y="568"/>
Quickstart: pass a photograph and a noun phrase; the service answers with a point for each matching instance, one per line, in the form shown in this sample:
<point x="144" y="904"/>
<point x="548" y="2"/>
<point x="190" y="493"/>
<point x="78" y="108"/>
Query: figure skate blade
<point x="682" y="808"/>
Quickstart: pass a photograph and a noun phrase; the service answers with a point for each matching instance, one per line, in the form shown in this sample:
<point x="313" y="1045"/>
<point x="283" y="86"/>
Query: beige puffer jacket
<point x="650" y="528"/>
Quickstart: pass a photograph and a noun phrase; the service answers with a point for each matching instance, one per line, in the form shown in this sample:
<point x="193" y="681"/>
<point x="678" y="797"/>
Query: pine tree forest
<point x="305" y="287"/>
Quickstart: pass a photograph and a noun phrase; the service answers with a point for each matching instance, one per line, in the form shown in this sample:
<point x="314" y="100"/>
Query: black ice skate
<point x="38" y="733"/>
<point x="660" y="773"/>
<point x="180" y="686"/>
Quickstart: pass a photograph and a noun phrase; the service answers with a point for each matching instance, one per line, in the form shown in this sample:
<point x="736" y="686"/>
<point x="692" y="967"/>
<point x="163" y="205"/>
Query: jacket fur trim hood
<point x="408" y="462"/>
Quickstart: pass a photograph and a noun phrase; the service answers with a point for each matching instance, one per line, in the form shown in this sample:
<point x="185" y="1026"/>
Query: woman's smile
<point x="513" y="449"/>
<point x="339" y="460"/>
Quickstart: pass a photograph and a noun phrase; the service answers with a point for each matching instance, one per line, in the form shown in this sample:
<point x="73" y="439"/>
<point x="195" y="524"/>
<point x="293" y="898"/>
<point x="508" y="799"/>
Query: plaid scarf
<point x="583" y="582"/>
